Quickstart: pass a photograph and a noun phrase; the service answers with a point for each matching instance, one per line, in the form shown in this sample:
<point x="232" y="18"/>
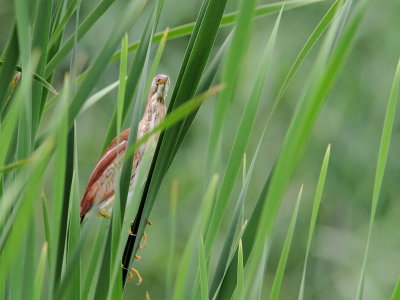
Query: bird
<point x="99" y="192"/>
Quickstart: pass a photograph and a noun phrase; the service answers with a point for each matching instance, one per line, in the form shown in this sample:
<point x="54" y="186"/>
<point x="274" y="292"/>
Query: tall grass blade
<point x="74" y="228"/>
<point x="172" y="234"/>
<point x="60" y="204"/>
<point x="314" y="215"/>
<point x="240" y="274"/>
<point x="40" y="273"/>
<point x="203" y="269"/>
<point x="280" y="271"/>
<point x="40" y="41"/>
<point x="380" y="167"/>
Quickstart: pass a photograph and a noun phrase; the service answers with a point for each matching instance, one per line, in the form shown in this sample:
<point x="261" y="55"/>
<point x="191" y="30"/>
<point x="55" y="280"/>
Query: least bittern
<point x="100" y="188"/>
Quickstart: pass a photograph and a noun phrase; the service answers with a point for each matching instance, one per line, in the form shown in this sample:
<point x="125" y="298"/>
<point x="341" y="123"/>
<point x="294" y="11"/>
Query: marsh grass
<point x="53" y="266"/>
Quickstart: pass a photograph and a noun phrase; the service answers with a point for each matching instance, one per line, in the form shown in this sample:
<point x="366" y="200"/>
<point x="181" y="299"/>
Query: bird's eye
<point x="157" y="81"/>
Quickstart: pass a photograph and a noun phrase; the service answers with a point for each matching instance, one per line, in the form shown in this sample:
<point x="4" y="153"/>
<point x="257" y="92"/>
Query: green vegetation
<point x="238" y="94"/>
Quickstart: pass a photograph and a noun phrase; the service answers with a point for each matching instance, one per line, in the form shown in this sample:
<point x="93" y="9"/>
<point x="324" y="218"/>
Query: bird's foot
<point x="104" y="213"/>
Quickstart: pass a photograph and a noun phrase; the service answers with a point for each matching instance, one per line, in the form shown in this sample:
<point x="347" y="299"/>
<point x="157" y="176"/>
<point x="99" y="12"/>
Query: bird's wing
<point x="94" y="185"/>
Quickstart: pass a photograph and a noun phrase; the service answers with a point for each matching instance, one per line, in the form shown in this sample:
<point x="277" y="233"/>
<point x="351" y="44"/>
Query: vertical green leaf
<point x="314" y="215"/>
<point x="203" y="269"/>
<point x="40" y="273"/>
<point x="172" y="235"/>
<point x="380" y="167"/>
<point x="240" y="274"/>
<point x="41" y="34"/>
<point x="276" y="286"/>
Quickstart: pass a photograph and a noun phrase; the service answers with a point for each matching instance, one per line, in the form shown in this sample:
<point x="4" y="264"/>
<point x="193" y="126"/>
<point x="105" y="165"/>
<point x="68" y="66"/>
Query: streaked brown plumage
<point x="100" y="188"/>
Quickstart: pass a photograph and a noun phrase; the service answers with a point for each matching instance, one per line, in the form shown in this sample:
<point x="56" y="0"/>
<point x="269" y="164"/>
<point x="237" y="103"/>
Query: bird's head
<point x="159" y="87"/>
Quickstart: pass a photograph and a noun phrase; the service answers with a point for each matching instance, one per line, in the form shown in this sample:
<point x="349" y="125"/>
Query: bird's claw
<point x="136" y="272"/>
<point x="141" y="246"/>
<point x="133" y="271"/>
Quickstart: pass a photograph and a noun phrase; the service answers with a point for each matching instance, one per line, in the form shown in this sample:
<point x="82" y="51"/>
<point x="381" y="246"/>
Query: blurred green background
<point x="351" y="122"/>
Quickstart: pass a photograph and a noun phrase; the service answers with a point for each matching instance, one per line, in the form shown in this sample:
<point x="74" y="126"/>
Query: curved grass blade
<point x="227" y="19"/>
<point x="15" y="165"/>
<point x="175" y="116"/>
<point x="276" y="286"/>
<point x="94" y="98"/>
<point x="23" y="200"/>
<point x="314" y="215"/>
<point x="35" y="76"/>
<point x="380" y="167"/>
